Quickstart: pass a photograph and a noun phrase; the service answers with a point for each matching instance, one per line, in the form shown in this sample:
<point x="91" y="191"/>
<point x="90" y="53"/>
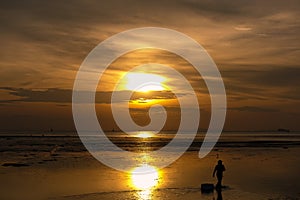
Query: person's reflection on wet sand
<point x="219" y="194"/>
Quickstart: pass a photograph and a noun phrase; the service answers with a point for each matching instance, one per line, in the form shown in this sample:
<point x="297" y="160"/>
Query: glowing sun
<point x="143" y="82"/>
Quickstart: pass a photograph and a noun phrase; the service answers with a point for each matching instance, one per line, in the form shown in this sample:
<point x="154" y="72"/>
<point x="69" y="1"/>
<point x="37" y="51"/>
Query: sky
<point x="255" y="45"/>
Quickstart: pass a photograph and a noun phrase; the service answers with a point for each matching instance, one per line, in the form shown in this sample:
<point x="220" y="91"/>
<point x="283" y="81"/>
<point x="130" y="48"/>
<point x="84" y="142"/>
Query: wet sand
<point x="253" y="172"/>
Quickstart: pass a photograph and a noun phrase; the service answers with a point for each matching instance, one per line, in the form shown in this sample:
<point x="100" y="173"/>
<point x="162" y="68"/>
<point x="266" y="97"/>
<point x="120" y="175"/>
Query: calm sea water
<point x="141" y="140"/>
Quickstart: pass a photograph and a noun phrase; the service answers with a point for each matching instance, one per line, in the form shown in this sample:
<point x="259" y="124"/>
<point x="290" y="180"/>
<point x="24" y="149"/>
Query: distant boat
<point x="283" y="130"/>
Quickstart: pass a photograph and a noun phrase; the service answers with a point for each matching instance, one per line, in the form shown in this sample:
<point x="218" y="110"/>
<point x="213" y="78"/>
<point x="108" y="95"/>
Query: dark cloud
<point x="55" y="95"/>
<point x="31" y="95"/>
<point x="269" y="83"/>
<point x="253" y="109"/>
<point x="153" y="95"/>
<point x="244" y="10"/>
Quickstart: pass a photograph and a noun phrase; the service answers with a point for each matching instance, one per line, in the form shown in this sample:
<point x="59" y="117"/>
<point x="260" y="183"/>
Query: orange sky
<point x="255" y="45"/>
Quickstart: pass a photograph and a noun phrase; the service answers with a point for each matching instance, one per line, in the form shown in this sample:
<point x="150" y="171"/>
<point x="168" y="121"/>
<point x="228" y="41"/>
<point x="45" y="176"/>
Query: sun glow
<point x="143" y="82"/>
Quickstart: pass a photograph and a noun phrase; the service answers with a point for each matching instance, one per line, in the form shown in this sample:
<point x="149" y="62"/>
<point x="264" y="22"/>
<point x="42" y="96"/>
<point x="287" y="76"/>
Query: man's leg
<point x="219" y="184"/>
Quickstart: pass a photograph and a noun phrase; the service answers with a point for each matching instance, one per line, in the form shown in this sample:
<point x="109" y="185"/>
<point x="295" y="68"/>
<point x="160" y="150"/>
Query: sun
<point x="144" y="82"/>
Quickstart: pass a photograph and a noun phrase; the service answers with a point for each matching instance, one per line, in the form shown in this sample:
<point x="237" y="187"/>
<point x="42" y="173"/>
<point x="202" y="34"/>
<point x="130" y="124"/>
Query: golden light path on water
<point x="145" y="134"/>
<point x="145" y="178"/>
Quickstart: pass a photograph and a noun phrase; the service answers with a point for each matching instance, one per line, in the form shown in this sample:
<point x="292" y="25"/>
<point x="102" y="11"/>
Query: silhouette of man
<point x="219" y="168"/>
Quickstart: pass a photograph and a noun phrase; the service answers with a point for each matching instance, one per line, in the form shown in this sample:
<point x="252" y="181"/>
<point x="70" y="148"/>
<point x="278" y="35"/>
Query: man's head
<point x="220" y="162"/>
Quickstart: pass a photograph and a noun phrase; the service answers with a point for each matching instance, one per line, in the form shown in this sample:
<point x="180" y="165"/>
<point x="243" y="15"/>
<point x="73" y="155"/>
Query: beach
<point x="259" y="165"/>
<point x="150" y="100"/>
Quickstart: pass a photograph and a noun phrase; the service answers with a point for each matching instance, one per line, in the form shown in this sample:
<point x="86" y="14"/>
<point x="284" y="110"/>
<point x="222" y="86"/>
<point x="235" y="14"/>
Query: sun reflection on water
<point x="145" y="134"/>
<point x="145" y="178"/>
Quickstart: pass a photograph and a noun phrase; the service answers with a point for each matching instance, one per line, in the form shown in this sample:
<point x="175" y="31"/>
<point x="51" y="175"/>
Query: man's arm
<point x="214" y="171"/>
